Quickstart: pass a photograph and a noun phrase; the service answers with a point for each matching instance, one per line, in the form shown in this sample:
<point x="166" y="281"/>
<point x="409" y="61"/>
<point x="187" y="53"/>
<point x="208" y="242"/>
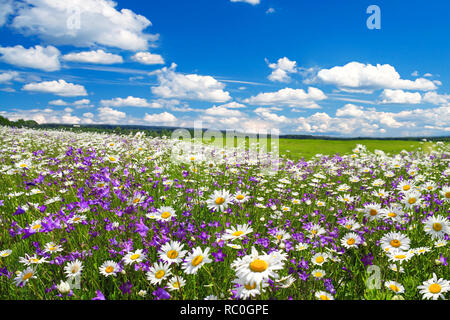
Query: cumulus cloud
<point x="188" y="86"/>
<point x="400" y="96"/>
<point x="366" y="77"/>
<point x="282" y="69"/>
<point x="59" y="88"/>
<point x="164" y="118"/>
<point x="6" y="9"/>
<point x="98" y="57"/>
<point x="289" y="97"/>
<point x="83" y="23"/>
<point x="222" y="111"/>
<point x="110" y="116"/>
<point x="148" y="58"/>
<point x="131" y="101"/>
<point x="46" y="59"/>
<point x="266" y="114"/>
<point x="8" y="76"/>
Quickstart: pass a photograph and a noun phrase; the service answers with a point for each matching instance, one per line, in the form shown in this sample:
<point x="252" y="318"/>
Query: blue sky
<point x="298" y="67"/>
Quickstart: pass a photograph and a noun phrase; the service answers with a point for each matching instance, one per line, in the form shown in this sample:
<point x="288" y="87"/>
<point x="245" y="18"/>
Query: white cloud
<point x="8" y="76"/>
<point x="281" y="70"/>
<point x="164" y="118"/>
<point x="58" y="102"/>
<point x="233" y="105"/>
<point x="46" y="59"/>
<point x="358" y="76"/>
<point x="190" y="86"/>
<point x="6" y="9"/>
<point x="289" y="97"/>
<point x="252" y="2"/>
<point x="98" y="57"/>
<point x="270" y="10"/>
<point x="59" y="88"/>
<point x="83" y="23"/>
<point x="270" y="116"/>
<point x="350" y="110"/>
<point x="148" y="58"/>
<point x="436" y="98"/>
<point x="110" y="116"/>
<point x="400" y="96"/>
<point x="81" y="102"/>
<point x="222" y="111"/>
<point x="130" y="101"/>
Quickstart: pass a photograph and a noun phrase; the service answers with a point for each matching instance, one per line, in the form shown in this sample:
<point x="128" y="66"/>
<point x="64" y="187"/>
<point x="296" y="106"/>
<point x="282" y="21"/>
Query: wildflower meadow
<point x="106" y="216"/>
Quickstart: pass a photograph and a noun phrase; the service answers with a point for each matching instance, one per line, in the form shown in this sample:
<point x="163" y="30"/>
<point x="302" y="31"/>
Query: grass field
<point x="298" y="148"/>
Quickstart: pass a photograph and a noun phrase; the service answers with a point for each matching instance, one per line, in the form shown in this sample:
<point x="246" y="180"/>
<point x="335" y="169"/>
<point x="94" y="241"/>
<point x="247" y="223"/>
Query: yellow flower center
<point x="165" y="215"/>
<point x="406" y="187"/>
<point x="220" y="200"/>
<point x="237" y="233"/>
<point x="250" y="286"/>
<point x="112" y="159"/>
<point x="136" y="200"/>
<point x="35" y="227"/>
<point x="437" y="226"/>
<point x="197" y="260"/>
<point x="259" y="265"/>
<point x="324" y="297"/>
<point x="23" y="165"/>
<point x="109" y="269"/>
<point x="351" y="241"/>
<point x="160" y="274"/>
<point x="434" y="288"/>
<point x="135" y="256"/>
<point x="400" y="256"/>
<point x="396" y="243"/>
<point x="320" y="259"/>
<point x="318" y="274"/>
<point x="240" y="197"/>
<point x="27" y="276"/>
<point x="172" y="254"/>
<point x="373" y="212"/>
<point x="394" y="288"/>
<point x="176" y="284"/>
<point x="447" y="195"/>
<point x="412" y="200"/>
<point x="392" y="214"/>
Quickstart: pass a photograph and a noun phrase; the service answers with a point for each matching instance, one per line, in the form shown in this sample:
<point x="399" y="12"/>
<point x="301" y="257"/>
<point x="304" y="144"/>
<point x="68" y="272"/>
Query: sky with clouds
<point x="293" y="67"/>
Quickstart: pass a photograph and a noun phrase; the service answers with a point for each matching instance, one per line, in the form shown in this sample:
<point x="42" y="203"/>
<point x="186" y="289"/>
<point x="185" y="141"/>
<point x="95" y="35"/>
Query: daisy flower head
<point x="109" y="268"/>
<point x="240" y="197"/>
<point x="318" y="273"/>
<point x="134" y="257"/>
<point x="412" y="199"/>
<point x="73" y="269"/>
<point x="320" y="258"/>
<point x="175" y="283"/>
<point x="237" y="232"/>
<point x="172" y="252"/>
<point x="400" y="256"/>
<point x="372" y="211"/>
<point x="24" y="276"/>
<point x="437" y="226"/>
<point x="257" y="267"/>
<point x="395" y="241"/>
<point x="5" y="253"/>
<point x="165" y="214"/>
<point x="219" y="200"/>
<point x="51" y="247"/>
<point x="434" y="288"/>
<point x="395" y="287"/>
<point x="323" y="295"/>
<point x="445" y="192"/>
<point x="351" y="240"/>
<point x="196" y="260"/>
<point x="158" y="272"/>
<point x="248" y="289"/>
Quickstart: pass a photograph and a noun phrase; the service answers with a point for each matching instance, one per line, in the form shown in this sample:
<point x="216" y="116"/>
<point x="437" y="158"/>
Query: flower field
<point x="103" y="216"/>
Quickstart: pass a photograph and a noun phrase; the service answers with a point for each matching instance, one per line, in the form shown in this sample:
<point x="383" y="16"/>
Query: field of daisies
<point x="103" y="216"/>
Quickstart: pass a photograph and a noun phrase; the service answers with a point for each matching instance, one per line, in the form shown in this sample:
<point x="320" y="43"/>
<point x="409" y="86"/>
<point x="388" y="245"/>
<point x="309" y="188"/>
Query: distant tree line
<point x="19" y="123"/>
<point x="154" y="131"/>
